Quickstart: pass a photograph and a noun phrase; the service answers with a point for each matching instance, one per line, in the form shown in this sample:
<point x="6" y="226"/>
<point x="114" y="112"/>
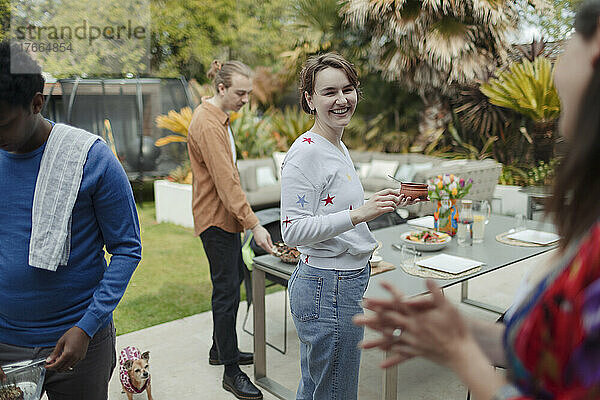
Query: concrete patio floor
<point x="179" y="350"/>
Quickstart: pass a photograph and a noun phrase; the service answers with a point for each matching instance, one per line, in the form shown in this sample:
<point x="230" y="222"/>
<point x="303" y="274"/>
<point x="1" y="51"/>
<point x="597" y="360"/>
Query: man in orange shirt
<point x="221" y="211"/>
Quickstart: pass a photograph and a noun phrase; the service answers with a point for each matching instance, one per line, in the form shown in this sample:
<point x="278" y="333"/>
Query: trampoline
<point x="123" y="111"/>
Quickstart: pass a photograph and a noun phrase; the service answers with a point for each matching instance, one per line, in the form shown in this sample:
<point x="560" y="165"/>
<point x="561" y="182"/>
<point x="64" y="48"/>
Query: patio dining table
<point x="493" y="254"/>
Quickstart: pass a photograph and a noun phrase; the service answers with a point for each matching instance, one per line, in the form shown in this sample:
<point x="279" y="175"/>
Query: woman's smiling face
<point x="333" y="99"/>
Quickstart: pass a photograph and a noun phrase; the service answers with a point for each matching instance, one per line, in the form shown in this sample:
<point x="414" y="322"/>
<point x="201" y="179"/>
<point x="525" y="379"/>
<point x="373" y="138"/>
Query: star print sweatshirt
<point x="319" y="187"/>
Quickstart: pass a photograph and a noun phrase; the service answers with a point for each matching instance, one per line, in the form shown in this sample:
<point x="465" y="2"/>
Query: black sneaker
<point x="242" y="387"/>
<point x="245" y="358"/>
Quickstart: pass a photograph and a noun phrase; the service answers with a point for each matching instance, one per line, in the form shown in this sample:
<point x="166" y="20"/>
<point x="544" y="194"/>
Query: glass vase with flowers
<point x="446" y="189"/>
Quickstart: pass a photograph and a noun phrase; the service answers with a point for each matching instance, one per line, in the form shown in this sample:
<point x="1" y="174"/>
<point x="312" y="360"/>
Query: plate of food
<point x="426" y="240"/>
<point x="24" y="380"/>
<point x="285" y="253"/>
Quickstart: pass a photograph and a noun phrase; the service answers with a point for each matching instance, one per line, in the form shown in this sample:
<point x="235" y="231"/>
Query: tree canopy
<point x="189" y="34"/>
<point x="430" y="45"/>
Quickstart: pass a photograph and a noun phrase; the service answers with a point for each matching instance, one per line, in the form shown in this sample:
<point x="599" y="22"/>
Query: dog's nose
<point x="145" y="374"/>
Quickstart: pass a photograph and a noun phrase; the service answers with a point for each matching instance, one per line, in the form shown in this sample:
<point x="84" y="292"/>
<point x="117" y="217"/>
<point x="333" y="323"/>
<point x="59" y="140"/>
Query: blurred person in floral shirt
<point x="550" y="339"/>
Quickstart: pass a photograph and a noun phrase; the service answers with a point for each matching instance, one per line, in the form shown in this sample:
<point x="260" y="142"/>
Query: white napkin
<point x="423" y="222"/>
<point x="448" y="263"/>
<point x="537" y="237"/>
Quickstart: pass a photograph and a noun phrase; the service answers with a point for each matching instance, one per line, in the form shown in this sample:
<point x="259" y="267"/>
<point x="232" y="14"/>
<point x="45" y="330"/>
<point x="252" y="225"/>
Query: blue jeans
<point x="323" y="303"/>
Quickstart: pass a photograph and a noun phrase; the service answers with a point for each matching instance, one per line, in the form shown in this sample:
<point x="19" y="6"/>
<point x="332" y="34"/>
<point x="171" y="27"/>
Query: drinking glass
<point x="520" y="223"/>
<point x="465" y="220"/>
<point x="481" y="217"/>
<point x="463" y="232"/>
<point x="408" y="255"/>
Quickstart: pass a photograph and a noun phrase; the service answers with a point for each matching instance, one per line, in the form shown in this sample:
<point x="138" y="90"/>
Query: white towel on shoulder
<point x="56" y="190"/>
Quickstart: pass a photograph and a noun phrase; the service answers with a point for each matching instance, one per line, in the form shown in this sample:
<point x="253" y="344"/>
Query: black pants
<point x="224" y="252"/>
<point x="88" y="380"/>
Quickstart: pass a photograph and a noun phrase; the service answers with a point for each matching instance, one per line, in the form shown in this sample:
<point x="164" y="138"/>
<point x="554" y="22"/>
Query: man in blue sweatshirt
<point x="64" y="315"/>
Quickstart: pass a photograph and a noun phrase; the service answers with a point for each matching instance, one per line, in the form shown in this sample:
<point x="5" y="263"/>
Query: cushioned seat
<point x="259" y="181"/>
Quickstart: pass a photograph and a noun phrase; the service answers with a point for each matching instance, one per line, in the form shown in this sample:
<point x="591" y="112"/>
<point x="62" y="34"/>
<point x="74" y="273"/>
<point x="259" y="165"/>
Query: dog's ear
<point x="128" y="364"/>
<point x="146" y="355"/>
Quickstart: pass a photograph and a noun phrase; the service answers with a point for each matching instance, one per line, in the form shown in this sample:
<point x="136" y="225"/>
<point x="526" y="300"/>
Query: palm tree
<point x="528" y="88"/>
<point x="317" y="25"/>
<point x="431" y="45"/>
<point x="480" y="121"/>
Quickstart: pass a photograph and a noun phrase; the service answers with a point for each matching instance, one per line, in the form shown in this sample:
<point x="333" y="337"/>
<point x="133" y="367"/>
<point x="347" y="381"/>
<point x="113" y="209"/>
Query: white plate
<point x="424" y="246"/>
<point x="448" y="263"/>
<point x="537" y="237"/>
<point x="423" y="222"/>
<point x="375" y="260"/>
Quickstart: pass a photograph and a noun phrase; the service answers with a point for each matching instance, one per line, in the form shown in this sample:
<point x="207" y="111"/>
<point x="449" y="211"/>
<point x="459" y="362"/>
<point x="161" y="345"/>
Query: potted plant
<point x="173" y="196"/>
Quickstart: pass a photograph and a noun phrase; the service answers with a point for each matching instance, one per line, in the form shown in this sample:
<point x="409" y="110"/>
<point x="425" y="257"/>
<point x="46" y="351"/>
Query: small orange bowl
<point x="414" y="190"/>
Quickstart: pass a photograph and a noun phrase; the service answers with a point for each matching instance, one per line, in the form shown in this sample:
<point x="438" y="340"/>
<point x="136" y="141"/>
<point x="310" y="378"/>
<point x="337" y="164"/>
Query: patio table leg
<point x="464" y="298"/>
<point x="260" y="340"/>
<point x="390" y="381"/>
<point x="260" y="347"/>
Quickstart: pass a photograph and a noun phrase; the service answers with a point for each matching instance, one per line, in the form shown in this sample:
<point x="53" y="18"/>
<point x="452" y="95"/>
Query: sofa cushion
<point x="247" y="178"/>
<point x="362" y="169"/>
<point x="265" y="176"/>
<point x="256" y="173"/>
<point x="266" y="196"/>
<point x="377" y="184"/>
<point x="407" y="172"/>
<point x="278" y="157"/>
<point x="382" y="168"/>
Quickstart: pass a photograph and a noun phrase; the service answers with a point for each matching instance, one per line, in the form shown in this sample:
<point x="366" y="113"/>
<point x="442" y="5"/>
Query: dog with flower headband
<point x="134" y="372"/>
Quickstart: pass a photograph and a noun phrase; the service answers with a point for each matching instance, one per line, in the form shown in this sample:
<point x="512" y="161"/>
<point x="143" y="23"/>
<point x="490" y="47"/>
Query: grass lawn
<point x="171" y="282"/>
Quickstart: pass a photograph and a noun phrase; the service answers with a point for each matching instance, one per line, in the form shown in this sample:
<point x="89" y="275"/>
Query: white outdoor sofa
<point x="260" y="177"/>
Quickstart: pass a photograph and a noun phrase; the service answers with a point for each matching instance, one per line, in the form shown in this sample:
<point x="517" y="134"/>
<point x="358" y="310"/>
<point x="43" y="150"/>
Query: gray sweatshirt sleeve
<point x="301" y="222"/>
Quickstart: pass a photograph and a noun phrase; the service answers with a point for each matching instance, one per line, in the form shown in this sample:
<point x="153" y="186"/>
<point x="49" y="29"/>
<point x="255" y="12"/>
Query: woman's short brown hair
<point x="318" y="63"/>
<point x="222" y="73"/>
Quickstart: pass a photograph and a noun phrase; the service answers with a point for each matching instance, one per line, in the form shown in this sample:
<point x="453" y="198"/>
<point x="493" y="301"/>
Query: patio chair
<point x="268" y="218"/>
